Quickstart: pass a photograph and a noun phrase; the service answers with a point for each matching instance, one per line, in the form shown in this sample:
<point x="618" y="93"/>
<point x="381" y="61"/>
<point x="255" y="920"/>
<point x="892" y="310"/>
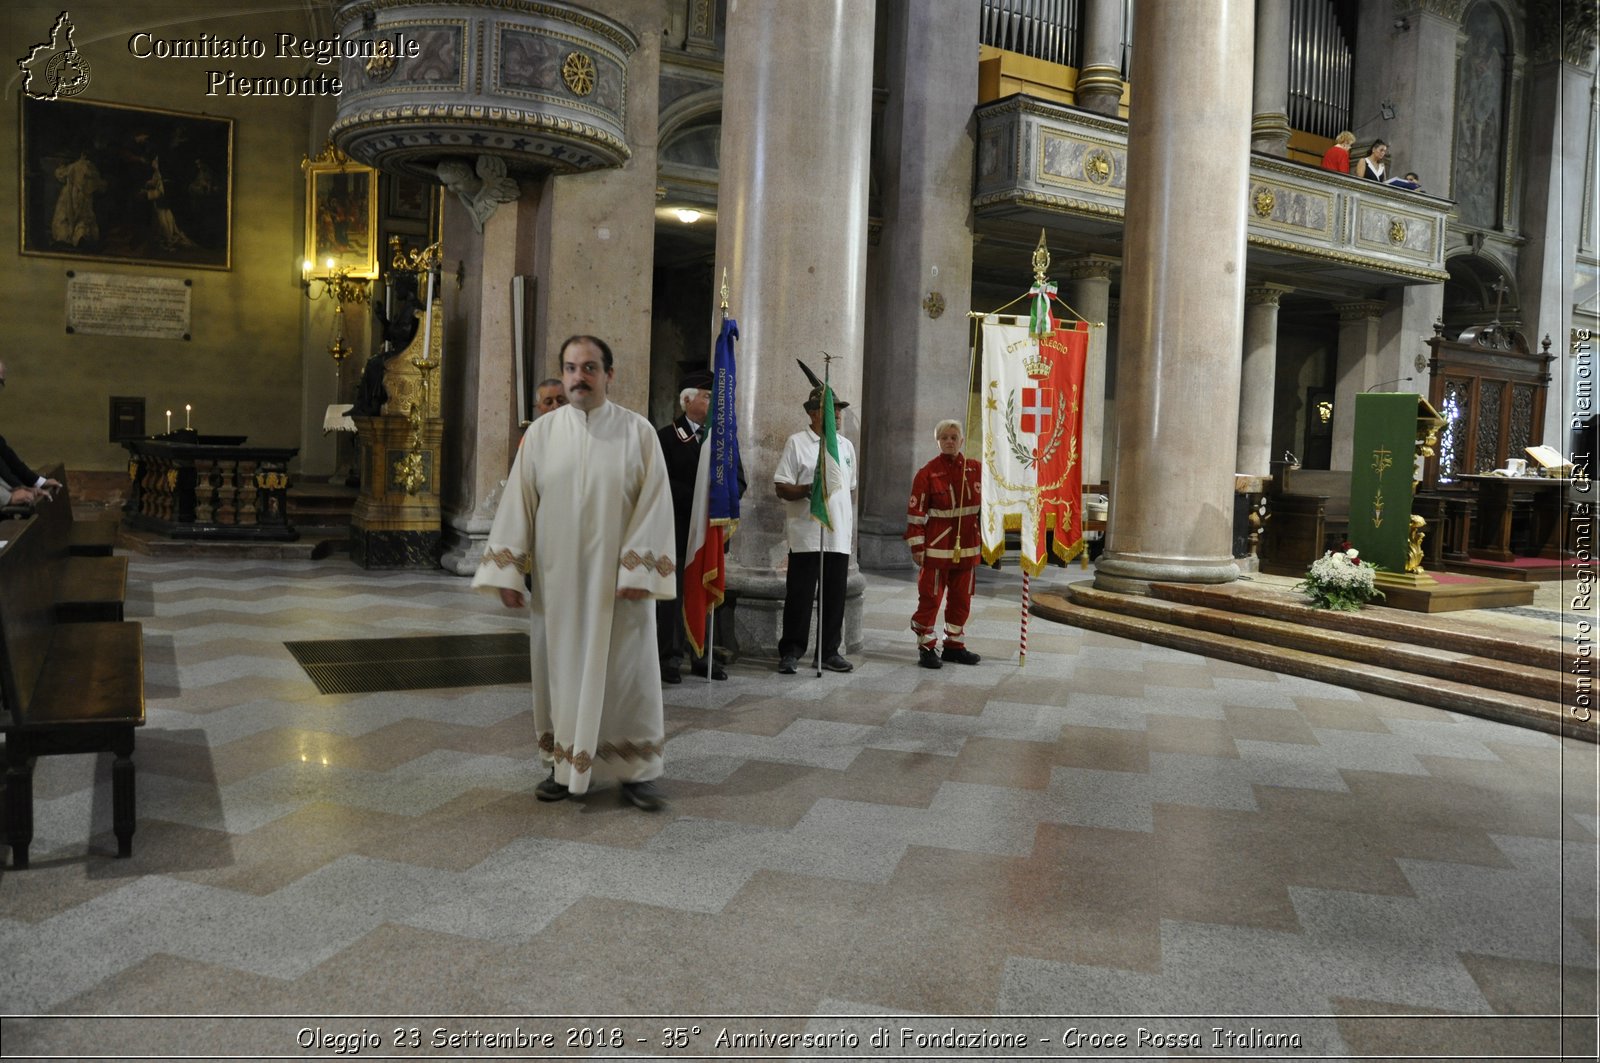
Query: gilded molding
<point x="1380" y="265"/>
<point x="1564" y="30"/>
<point x="1046" y="201"/>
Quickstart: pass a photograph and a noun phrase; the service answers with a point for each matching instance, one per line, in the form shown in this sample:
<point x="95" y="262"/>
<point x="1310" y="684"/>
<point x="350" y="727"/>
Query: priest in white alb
<point x="587" y="517"/>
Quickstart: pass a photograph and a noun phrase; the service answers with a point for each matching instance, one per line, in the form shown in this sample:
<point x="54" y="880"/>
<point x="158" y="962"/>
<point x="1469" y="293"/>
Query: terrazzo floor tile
<point x="1111" y="828"/>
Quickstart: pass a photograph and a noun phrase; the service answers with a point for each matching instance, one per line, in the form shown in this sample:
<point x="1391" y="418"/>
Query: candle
<point x="186" y="409"/>
<point x="427" y="323"/>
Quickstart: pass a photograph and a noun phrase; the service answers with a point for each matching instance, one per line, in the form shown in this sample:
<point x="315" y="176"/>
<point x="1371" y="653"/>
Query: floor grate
<point x="368" y="666"/>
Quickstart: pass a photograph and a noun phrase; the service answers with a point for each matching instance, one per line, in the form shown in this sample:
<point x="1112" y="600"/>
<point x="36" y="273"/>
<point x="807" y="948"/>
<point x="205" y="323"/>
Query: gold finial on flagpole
<point x="1041" y="260"/>
<point x="724" y="291"/>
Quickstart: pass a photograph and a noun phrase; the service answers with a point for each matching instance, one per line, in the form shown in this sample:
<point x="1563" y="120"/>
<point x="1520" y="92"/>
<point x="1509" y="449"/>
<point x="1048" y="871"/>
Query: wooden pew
<point x="89" y="588"/>
<point x="64" y="687"/>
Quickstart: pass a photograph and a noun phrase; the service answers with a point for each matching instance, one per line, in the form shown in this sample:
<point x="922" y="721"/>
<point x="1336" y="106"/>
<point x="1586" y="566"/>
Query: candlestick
<point x="186" y="409"/>
<point x="427" y="323"/>
<point x="169" y="422"/>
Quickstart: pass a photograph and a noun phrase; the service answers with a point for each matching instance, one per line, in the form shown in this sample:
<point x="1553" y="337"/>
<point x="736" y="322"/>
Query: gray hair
<point x="685" y="395"/>
<point x="948" y="422"/>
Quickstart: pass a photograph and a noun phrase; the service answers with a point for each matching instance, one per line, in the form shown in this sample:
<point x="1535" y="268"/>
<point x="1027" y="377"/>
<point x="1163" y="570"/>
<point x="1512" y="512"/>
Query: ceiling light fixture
<point x="687" y="215"/>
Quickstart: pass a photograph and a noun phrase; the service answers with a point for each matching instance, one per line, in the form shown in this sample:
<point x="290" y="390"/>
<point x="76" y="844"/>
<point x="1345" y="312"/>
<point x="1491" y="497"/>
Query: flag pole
<point x="711" y="615"/>
<point x="1039" y="325"/>
<point x="822" y="531"/>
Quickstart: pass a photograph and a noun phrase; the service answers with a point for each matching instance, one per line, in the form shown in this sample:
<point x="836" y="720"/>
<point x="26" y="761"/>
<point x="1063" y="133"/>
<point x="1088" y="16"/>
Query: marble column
<point x="478" y="399"/>
<point x="792" y="234"/>
<point x="596" y="238"/>
<point x="1269" y="125"/>
<point x="1182" y="298"/>
<point x="1257" y="381"/>
<point x="1358" y="350"/>
<point x="920" y="271"/>
<point x="1100" y="79"/>
<point x="1557" y="214"/>
<point x="1088" y="291"/>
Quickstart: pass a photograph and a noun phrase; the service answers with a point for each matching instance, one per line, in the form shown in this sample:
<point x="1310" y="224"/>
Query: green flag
<point x="829" y="474"/>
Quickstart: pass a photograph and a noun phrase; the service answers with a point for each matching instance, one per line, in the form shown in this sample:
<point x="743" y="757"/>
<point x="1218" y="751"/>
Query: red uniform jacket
<point x="942" y="516"/>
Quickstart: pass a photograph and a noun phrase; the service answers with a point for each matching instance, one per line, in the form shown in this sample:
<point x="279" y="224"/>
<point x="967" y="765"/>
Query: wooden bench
<point x="92" y="587"/>
<point x="64" y="687"/>
<point x="1308" y="512"/>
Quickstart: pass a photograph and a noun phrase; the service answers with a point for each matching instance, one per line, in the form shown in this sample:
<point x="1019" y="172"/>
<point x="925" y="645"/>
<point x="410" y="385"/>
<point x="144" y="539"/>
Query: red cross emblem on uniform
<point x="1037" y="411"/>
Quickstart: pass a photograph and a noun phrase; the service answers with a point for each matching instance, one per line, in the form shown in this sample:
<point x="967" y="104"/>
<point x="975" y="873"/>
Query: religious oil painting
<point x="110" y="182"/>
<point x="341" y="217"/>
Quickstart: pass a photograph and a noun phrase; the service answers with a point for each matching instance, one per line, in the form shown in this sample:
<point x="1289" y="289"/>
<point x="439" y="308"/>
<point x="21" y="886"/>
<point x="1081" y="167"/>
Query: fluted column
<point x="1258" y="379"/>
<point x="1182" y="296"/>
<point x="1088" y="291"/>
<point x="1358" y="350"/>
<point x="920" y="271"/>
<point x="1100" y="79"/>
<point x="792" y="232"/>
<point x="1269" y="125"/>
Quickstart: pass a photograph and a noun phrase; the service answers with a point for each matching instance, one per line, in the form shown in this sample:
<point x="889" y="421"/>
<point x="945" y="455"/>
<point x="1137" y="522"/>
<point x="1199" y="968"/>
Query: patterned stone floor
<point x="1113" y="830"/>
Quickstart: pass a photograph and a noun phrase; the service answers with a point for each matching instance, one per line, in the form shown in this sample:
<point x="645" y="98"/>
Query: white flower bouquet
<point x="1339" y="579"/>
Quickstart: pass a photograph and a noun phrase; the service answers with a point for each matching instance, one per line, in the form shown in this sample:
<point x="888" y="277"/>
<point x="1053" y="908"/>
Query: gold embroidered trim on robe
<point x="663" y="564"/>
<point x="583" y="760"/>
<point x="508" y="558"/>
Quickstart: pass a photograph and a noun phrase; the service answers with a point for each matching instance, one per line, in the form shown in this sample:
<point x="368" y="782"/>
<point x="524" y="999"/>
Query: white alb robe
<point x="588" y="509"/>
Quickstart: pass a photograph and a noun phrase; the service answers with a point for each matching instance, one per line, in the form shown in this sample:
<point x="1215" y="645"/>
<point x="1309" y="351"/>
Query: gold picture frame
<point x="341" y="216"/>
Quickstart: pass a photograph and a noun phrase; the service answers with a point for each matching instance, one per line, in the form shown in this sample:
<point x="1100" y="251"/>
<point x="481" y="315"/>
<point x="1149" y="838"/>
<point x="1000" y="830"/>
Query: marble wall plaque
<point x="114" y="304"/>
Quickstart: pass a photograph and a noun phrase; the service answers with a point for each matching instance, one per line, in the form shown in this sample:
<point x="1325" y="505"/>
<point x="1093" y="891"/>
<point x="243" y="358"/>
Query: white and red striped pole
<point x="1022" y="654"/>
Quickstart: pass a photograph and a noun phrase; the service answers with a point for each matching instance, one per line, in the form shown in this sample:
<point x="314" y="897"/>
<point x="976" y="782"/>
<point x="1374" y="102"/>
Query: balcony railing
<point x="1068" y="169"/>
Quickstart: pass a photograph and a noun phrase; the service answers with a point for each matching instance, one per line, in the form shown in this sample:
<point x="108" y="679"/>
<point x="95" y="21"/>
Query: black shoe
<point x="699" y="668"/>
<point x="550" y="790"/>
<point x="960" y="655"/>
<point x="645" y="796"/>
<point x="926" y="658"/>
<point x="837" y="663"/>
<point x="670" y="674"/>
<point x="787" y="666"/>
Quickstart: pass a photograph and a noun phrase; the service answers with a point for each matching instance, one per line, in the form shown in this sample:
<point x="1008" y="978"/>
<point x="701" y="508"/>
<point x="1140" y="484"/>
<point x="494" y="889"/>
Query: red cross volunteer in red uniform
<point x="942" y="531"/>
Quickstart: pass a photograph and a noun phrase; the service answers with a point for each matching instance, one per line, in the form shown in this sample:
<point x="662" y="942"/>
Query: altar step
<point x="1430" y="660"/>
<point x="321" y="504"/>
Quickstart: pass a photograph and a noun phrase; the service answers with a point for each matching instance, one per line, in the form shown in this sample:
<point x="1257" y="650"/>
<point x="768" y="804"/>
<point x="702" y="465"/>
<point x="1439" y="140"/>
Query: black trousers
<point x="672" y="642"/>
<point x="800" y="599"/>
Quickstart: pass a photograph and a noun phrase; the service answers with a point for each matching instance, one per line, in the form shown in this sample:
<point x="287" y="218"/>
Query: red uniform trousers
<point x="934" y="583"/>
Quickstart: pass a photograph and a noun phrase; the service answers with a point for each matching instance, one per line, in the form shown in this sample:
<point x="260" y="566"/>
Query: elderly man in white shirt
<point x="813" y="549"/>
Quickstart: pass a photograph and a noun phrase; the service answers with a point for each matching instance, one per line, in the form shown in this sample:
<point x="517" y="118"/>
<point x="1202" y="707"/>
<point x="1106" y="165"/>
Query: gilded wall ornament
<point x="1097" y="166"/>
<point x="381" y="68"/>
<point x="1397" y="231"/>
<point x="934" y="305"/>
<point x="1264" y="201"/>
<point x="578" y="71"/>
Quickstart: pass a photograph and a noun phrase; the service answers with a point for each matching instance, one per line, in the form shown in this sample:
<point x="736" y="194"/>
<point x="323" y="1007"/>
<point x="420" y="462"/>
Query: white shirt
<point x="798" y="465"/>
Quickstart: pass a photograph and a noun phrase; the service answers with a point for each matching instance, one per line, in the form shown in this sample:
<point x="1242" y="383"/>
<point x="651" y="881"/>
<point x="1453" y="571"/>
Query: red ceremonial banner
<point x="1058" y="455"/>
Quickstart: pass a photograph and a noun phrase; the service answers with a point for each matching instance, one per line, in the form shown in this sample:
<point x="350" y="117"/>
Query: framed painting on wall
<point x="110" y="182"/>
<point x="341" y="216"/>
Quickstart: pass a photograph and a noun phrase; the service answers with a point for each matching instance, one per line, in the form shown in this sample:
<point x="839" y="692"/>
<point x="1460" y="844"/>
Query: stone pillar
<point x="1088" y="291"/>
<point x="1182" y="296"/>
<point x="1358" y="350"/>
<point x="1257" y="382"/>
<point x="792" y="233"/>
<point x="597" y="231"/>
<point x="478" y="398"/>
<point x="1100" y="79"/>
<point x="1414" y="70"/>
<point x="921" y="276"/>
<point x="1561" y="136"/>
<point x="1269" y="125"/>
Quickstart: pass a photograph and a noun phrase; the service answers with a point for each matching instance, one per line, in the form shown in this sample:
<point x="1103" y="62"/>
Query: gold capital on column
<point x="1362" y="310"/>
